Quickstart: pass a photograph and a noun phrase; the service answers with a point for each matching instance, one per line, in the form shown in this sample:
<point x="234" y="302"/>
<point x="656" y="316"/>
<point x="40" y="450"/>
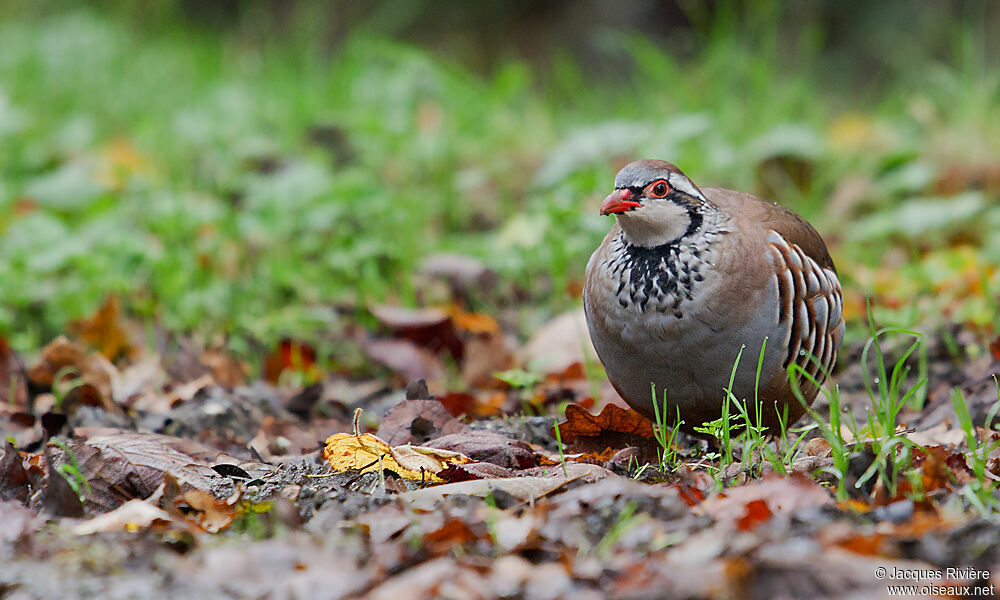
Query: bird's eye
<point x="658" y="189"/>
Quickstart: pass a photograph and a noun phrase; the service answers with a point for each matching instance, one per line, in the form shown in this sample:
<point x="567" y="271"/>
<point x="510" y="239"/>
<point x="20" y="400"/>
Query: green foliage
<point x="981" y="492"/>
<point x="664" y="433"/>
<point x="225" y="185"/>
<point x="562" y="456"/>
<point x="892" y="450"/>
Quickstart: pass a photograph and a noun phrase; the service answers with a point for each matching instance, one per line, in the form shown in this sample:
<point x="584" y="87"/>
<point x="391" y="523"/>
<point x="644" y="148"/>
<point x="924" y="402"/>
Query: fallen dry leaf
<point x="125" y="466"/>
<point x="416" y="422"/>
<point x="366" y="452"/>
<point x="429" y="328"/>
<point x="757" y="511"/>
<point x="59" y="498"/>
<point x="476" y="323"/>
<point x="782" y="495"/>
<point x="226" y="370"/>
<point x="613" y="419"/>
<point x="104" y="331"/>
<point x="488" y="446"/>
<point x="525" y="489"/>
<point x="205" y="511"/>
<point x="474" y="470"/>
<point x="939" y="468"/>
<point x="13" y="476"/>
<point x="293" y="356"/>
<point x="615" y="427"/>
<point x="483" y="404"/>
<point x="12" y="379"/>
<point x="133" y="516"/>
<point x="454" y="532"/>
<point x="64" y="356"/>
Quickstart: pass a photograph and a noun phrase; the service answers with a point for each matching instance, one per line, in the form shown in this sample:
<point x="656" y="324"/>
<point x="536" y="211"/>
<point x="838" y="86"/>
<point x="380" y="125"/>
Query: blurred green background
<point x="256" y="170"/>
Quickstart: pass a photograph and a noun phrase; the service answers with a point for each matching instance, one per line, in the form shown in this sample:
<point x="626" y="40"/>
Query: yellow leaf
<point x="119" y="161"/>
<point x="366" y="452"/>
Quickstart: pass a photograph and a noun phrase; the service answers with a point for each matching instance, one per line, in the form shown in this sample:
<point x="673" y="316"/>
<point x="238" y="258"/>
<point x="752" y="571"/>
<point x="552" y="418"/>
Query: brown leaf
<point x="488" y="446"/>
<point x="416" y="422"/>
<point x="62" y="355"/>
<point x="226" y="370"/>
<point x="939" y="469"/>
<point x="474" y="470"/>
<point x="865" y="544"/>
<point x="207" y="512"/>
<point x="818" y="447"/>
<point x="612" y="419"/>
<point x="59" y="499"/>
<point x="126" y="466"/>
<point x="429" y="328"/>
<point x="483" y="404"/>
<point x="13" y="476"/>
<point x="131" y="517"/>
<point x="12" y="379"/>
<point x="103" y="330"/>
<point x="615" y="427"/>
<point x="454" y="532"/>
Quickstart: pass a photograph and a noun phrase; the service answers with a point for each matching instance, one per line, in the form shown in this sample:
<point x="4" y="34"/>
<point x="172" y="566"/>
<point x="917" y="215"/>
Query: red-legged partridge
<point x="688" y="276"/>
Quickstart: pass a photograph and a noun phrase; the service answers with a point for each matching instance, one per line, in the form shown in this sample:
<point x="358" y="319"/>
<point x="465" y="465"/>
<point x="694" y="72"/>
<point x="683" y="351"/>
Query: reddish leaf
<point x="691" y="495"/>
<point x="782" y="495"/>
<point x="477" y="323"/>
<point x="484" y="404"/>
<point x="612" y="419"/>
<point x="868" y="545"/>
<point x="454" y="532"/>
<point x="757" y="512"/>
<point x="293" y="356"/>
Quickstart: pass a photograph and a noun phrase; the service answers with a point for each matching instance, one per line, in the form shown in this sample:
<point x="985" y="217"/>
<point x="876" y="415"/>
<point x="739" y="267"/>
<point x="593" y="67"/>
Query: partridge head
<point x="687" y="278"/>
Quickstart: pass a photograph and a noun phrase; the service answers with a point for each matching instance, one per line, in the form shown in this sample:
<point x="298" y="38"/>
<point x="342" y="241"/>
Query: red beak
<point x="617" y="202"/>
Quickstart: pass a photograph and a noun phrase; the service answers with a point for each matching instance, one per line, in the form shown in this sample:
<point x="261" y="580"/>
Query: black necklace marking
<point x="664" y="274"/>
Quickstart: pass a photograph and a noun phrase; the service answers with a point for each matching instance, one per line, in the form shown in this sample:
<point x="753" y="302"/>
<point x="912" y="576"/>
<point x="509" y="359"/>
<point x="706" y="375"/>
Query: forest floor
<point x="173" y="474"/>
<point x="229" y="261"/>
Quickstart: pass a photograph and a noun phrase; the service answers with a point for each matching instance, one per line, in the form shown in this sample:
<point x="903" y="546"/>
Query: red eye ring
<point x="658" y="189"/>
